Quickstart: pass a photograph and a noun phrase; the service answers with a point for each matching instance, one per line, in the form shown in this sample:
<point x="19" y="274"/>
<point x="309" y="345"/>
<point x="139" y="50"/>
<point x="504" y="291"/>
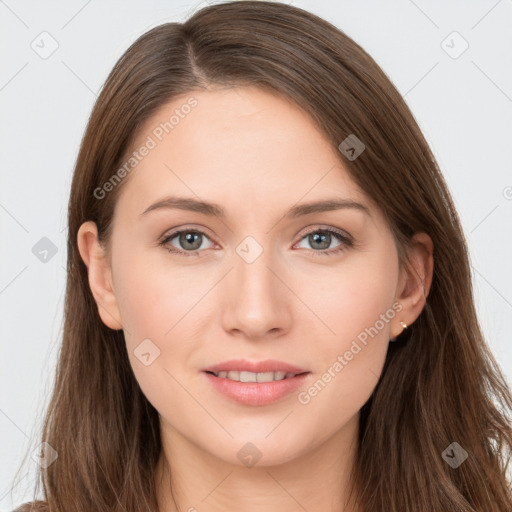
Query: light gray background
<point x="463" y="105"/>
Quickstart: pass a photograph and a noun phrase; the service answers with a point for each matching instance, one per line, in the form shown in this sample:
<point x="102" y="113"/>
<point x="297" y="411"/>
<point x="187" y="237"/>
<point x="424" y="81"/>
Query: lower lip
<point x="256" y="393"/>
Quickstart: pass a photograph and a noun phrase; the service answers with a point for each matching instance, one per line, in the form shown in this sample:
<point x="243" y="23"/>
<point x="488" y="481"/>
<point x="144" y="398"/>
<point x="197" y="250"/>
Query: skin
<point x="256" y="155"/>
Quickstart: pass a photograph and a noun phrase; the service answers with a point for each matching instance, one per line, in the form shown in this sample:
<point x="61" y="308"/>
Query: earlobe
<point x="99" y="274"/>
<point x="415" y="281"/>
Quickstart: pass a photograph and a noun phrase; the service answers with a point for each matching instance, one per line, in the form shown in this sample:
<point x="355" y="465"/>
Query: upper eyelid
<point x="173" y="232"/>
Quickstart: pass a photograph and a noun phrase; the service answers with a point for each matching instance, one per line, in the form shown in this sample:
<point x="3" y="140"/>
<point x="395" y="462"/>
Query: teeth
<point x="254" y="377"/>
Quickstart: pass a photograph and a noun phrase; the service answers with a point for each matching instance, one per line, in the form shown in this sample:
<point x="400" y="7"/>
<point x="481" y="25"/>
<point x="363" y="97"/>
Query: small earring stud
<point x="403" y="324"/>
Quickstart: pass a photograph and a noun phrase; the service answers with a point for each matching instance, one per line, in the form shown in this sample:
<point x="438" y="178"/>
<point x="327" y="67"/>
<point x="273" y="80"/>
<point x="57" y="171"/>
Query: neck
<point x="188" y="479"/>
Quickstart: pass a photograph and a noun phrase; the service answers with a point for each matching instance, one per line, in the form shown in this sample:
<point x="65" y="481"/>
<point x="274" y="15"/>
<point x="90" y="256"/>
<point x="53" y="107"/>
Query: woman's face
<point x="259" y="281"/>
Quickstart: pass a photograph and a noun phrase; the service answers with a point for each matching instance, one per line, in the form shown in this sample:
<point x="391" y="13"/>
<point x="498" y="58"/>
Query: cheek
<point x="355" y="305"/>
<point x="153" y="295"/>
<point x="350" y="298"/>
<point x="162" y="304"/>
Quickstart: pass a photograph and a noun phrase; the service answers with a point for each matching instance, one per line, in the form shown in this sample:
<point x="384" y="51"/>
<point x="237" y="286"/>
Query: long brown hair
<point x="439" y="385"/>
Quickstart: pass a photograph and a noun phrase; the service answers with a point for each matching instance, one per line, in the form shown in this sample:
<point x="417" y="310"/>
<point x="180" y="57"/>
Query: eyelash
<point x="346" y="242"/>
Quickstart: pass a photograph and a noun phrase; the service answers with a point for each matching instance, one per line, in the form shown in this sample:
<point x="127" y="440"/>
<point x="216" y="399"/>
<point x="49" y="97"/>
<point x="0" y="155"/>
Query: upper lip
<point x="268" y="365"/>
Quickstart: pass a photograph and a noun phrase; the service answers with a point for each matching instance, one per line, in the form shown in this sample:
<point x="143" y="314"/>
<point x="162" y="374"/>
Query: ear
<point x="415" y="281"/>
<point x="99" y="274"/>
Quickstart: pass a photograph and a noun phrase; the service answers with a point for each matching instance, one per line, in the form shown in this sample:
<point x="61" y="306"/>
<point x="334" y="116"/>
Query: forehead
<point x="241" y="146"/>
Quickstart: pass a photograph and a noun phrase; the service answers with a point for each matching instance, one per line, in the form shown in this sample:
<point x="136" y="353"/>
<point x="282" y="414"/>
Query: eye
<point x="321" y="239"/>
<point x="190" y="242"/>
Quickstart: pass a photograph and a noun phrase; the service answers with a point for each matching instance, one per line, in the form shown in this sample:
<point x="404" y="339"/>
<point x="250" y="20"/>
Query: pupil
<point x="189" y="238"/>
<point x="323" y="239"/>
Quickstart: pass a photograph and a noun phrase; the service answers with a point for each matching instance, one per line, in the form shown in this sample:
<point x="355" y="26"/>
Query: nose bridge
<point x="257" y="302"/>
<point x="252" y="263"/>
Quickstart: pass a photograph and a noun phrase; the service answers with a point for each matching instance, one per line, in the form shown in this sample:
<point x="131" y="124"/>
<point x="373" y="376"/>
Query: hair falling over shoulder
<point x="440" y="383"/>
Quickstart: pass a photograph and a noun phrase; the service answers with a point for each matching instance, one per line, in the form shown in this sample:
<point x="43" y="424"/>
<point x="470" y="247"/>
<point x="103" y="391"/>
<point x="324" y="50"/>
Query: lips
<point x="257" y="393"/>
<point x="244" y="365"/>
<point x="255" y="383"/>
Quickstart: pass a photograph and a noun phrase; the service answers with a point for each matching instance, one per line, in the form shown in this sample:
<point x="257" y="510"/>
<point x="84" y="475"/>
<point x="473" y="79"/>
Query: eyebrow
<point x="213" y="209"/>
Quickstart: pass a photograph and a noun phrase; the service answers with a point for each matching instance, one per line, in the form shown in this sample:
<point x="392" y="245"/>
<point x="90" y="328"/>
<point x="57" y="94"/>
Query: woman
<point x="269" y="301"/>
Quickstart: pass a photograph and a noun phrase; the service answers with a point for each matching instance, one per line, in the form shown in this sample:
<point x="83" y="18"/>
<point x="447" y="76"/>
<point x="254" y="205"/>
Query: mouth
<point x="245" y="376"/>
<point x="256" y="383"/>
<point x="245" y="370"/>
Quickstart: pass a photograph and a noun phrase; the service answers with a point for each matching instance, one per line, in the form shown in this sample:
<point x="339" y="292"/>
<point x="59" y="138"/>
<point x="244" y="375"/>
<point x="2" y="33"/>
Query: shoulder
<point x="33" y="506"/>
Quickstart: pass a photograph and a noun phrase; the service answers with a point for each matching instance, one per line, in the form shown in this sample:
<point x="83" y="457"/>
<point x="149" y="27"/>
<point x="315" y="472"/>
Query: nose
<point x="256" y="301"/>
